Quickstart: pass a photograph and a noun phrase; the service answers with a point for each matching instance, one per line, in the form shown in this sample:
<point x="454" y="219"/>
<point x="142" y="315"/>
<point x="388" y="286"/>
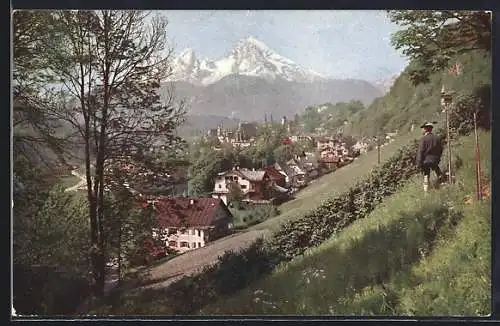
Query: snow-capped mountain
<point x="250" y="57"/>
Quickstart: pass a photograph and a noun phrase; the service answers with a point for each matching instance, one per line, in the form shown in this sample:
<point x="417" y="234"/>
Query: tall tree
<point x="111" y="67"/>
<point x="35" y="126"/>
<point x="432" y="38"/>
<point x="235" y="195"/>
<point x="128" y="226"/>
<point x="203" y="171"/>
<point x="284" y="153"/>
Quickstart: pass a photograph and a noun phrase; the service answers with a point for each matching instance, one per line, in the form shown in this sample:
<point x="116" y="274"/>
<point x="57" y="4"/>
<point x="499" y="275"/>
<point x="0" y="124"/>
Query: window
<point x="184" y="244"/>
<point x="172" y="244"/>
<point x="235" y="178"/>
<point x="184" y="231"/>
<point x="194" y="244"/>
<point x="199" y="234"/>
<point x="199" y="244"/>
<point x="220" y="186"/>
<point x="172" y="231"/>
<point x="243" y="186"/>
<point x="193" y="232"/>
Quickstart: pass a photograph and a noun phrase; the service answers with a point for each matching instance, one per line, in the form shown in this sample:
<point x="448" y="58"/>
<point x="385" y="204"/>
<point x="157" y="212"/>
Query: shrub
<point x="331" y="217"/>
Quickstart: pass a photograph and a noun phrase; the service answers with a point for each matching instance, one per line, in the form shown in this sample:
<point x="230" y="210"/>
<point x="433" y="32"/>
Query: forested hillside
<point x="406" y="104"/>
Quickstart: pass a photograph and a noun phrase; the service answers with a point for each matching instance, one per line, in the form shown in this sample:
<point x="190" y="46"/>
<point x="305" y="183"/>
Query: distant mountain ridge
<point x="253" y="80"/>
<point x="250" y="98"/>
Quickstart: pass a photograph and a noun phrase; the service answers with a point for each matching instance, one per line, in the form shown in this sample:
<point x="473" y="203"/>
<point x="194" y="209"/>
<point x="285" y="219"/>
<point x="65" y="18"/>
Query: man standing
<point x="429" y="154"/>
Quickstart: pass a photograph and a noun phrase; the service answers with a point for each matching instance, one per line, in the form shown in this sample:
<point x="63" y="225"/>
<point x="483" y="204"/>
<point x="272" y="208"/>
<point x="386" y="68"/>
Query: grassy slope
<point x="332" y="184"/>
<point x="413" y="255"/>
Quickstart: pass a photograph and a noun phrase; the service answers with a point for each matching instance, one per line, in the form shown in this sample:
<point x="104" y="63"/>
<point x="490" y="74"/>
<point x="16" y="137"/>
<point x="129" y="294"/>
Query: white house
<point x="324" y="142"/>
<point x="297" y="174"/>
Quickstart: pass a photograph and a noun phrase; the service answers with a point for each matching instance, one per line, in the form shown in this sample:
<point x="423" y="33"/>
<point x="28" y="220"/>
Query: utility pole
<point x="478" y="161"/>
<point x="378" y="150"/>
<point x="446" y="99"/>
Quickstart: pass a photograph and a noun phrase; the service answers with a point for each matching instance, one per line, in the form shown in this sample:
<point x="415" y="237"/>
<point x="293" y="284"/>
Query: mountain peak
<point x="250" y="57"/>
<point x="250" y="40"/>
<point x="187" y="51"/>
<point x="188" y="56"/>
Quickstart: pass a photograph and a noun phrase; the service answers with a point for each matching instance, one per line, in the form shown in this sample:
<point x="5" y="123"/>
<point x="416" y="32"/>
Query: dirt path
<point x="193" y="261"/>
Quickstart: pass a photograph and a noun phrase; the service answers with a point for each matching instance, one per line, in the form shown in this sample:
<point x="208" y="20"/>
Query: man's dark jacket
<point x="429" y="150"/>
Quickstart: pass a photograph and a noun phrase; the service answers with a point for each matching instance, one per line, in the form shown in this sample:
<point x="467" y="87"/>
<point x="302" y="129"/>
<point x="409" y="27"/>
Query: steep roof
<point x="247" y="174"/>
<point x="273" y="172"/>
<point x="253" y="175"/>
<point x="187" y="211"/>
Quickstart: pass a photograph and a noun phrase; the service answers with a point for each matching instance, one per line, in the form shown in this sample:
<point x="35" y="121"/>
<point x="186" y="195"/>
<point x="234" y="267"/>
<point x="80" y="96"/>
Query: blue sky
<point x="344" y="44"/>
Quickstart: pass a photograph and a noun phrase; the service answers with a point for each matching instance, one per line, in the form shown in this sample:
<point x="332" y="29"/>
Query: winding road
<point x="82" y="184"/>
<point x="192" y="262"/>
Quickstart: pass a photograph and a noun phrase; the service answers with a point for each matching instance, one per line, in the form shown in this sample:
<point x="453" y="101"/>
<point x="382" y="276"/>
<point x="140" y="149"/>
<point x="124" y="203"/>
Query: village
<point x="185" y="222"/>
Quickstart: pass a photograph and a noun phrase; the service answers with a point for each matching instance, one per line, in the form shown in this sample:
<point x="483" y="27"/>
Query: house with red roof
<point x="276" y="176"/>
<point x="187" y="223"/>
<point x="253" y="185"/>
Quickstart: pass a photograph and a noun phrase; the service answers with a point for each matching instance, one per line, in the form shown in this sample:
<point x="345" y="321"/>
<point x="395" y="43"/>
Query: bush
<point x="331" y="217"/>
<point x="462" y="114"/>
<point x="46" y="290"/>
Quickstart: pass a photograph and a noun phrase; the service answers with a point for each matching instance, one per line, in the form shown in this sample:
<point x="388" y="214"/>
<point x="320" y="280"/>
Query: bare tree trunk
<point x="120" y="252"/>
<point x="99" y="173"/>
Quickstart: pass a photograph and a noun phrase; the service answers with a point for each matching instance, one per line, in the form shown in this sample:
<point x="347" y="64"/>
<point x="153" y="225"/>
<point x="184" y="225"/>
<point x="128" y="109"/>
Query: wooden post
<point x="447" y="109"/>
<point x="478" y="161"/>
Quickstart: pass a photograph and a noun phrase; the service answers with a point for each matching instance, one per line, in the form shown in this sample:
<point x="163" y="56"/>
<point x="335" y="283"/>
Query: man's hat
<point x="428" y="125"/>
